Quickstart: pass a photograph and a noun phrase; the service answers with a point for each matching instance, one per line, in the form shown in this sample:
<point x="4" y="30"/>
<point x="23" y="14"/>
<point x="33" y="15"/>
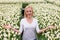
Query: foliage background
<point x="46" y="11"/>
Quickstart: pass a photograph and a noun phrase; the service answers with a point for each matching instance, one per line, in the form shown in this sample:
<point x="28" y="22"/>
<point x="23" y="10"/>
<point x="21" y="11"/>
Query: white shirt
<point x="29" y="29"/>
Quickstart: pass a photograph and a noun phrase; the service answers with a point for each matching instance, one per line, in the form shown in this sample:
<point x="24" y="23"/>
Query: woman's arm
<point x="15" y="30"/>
<point x="49" y="27"/>
<point x="43" y="30"/>
<point x="8" y="26"/>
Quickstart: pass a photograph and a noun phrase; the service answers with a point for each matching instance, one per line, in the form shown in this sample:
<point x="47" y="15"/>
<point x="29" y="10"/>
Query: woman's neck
<point x="29" y="17"/>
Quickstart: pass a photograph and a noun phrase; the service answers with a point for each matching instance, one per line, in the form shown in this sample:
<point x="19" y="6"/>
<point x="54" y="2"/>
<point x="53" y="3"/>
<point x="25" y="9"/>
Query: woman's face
<point x="29" y="12"/>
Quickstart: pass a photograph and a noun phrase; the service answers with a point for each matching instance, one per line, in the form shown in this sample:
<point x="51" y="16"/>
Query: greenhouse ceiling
<point x="20" y="1"/>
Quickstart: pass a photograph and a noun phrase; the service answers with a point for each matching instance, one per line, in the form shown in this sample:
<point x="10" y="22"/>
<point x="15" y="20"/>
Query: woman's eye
<point x="28" y="11"/>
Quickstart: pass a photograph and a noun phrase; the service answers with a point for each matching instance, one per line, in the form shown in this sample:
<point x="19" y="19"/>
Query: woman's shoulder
<point x="35" y="19"/>
<point x="23" y="19"/>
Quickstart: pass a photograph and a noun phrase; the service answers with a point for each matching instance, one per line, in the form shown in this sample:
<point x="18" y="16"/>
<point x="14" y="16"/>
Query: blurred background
<point x="46" y="11"/>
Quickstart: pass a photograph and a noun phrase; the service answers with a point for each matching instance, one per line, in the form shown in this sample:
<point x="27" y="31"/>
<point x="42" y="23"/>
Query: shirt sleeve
<point x="21" y="26"/>
<point x="37" y="27"/>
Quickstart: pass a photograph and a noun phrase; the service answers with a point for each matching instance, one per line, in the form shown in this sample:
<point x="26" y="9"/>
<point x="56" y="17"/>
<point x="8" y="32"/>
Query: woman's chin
<point x="29" y="17"/>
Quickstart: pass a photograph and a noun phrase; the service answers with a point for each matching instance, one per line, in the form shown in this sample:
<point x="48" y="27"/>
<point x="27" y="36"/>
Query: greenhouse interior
<point x="46" y="11"/>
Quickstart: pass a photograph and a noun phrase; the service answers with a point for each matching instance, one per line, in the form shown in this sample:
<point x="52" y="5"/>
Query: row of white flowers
<point x="9" y="13"/>
<point x="48" y="14"/>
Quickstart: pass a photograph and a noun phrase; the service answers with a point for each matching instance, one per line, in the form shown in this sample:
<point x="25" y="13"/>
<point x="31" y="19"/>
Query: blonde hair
<point x="27" y="8"/>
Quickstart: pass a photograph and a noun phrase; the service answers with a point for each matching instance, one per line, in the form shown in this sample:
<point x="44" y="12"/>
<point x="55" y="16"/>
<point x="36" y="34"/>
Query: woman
<point x="28" y="25"/>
